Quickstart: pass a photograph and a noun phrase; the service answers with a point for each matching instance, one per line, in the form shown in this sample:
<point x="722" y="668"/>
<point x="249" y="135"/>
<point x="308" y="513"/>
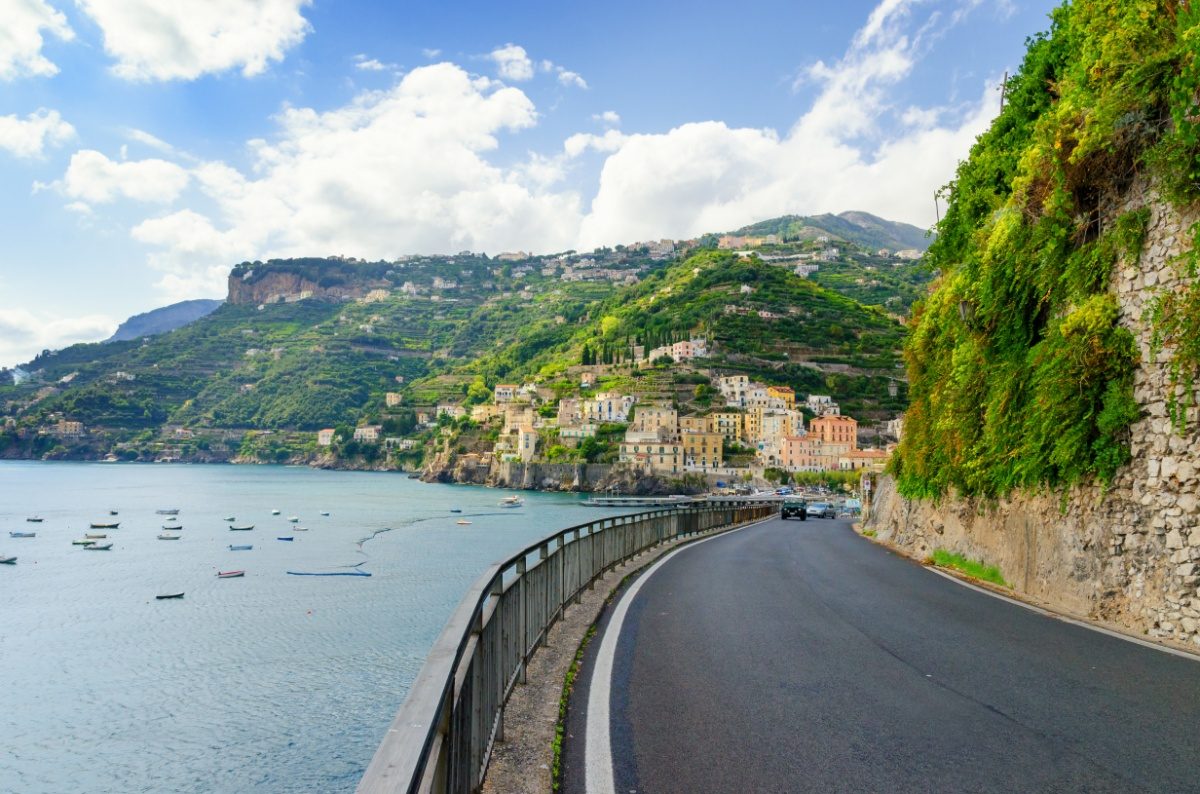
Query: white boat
<point x="99" y="546"/>
<point x="299" y="529"/>
<point x="275" y="512"/>
<point x="324" y="512"/>
<point x="294" y="519"/>
<point x="462" y="521"/>
<point x="512" y="501"/>
<point x="168" y="536"/>
<point x="173" y="527"/>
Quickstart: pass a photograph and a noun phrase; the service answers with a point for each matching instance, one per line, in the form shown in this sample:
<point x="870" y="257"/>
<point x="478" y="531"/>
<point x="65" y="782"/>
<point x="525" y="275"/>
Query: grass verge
<point x="870" y="533"/>
<point x="976" y="569"/>
<point x="563" y="699"/>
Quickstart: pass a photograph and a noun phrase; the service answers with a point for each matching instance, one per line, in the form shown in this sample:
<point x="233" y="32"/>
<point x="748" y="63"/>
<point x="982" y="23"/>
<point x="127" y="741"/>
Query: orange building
<point x="835" y="430"/>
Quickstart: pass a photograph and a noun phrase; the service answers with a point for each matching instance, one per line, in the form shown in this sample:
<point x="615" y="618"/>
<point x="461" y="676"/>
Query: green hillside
<point x="1021" y="373"/>
<point x="859" y="228"/>
<point x="306" y="344"/>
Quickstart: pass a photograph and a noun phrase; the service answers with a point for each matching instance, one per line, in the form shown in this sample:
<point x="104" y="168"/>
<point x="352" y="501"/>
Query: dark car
<point x="793" y="508"/>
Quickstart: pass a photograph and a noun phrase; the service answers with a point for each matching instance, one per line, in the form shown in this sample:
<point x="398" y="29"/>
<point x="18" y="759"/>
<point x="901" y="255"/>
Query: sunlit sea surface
<point x="264" y="683"/>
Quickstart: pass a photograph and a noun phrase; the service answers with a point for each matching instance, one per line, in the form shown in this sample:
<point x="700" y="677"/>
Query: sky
<point x="148" y="146"/>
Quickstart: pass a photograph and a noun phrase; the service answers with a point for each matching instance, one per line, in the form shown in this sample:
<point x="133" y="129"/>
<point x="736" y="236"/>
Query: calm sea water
<point x="265" y="683"/>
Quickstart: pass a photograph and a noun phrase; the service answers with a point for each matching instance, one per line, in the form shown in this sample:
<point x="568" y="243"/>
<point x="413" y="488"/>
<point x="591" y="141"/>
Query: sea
<point x="269" y="682"/>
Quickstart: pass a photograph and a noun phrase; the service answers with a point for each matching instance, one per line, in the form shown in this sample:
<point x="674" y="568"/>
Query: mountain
<point x="860" y="228"/>
<point x="319" y="343"/>
<point x="168" y="318"/>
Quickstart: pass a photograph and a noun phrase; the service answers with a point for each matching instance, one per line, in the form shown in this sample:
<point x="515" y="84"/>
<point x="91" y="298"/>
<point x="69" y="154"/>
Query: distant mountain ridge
<point x="167" y="318"/>
<point x="860" y="228"/>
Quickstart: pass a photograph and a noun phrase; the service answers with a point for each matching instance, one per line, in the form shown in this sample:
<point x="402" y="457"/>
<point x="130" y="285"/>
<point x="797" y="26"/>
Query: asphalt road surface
<point x="796" y="656"/>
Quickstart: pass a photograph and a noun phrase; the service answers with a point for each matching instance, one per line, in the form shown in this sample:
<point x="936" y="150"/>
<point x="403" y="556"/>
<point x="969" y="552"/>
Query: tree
<point x="478" y="392"/>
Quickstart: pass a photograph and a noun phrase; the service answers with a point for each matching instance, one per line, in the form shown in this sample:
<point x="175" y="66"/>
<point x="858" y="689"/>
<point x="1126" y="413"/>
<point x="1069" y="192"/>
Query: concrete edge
<point x="522" y="762"/>
<point x="1028" y="602"/>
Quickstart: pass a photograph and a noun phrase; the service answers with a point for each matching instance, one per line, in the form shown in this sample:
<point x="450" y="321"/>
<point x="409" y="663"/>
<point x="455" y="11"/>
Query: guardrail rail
<point x="441" y="739"/>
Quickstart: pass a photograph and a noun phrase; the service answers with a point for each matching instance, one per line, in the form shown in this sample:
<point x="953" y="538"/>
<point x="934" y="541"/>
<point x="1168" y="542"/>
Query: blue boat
<point x="328" y="573"/>
<point x="241" y="548"/>
<point x="22" y="534"/>
<point x="284" y="538"/>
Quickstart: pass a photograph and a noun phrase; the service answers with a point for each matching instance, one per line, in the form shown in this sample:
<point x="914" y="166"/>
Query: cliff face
<point x="1129" y="554"/>
<point x="282" y="285"/>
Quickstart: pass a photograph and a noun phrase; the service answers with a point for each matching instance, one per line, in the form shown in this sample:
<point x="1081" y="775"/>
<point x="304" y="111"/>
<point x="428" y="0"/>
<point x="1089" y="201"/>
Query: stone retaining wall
<point x="1130" y="554"/>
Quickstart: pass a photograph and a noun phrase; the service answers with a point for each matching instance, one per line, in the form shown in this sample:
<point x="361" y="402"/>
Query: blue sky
<point x="146" y="147"/>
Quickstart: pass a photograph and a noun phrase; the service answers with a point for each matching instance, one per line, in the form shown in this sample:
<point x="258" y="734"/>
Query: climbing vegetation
<point x="1020" y="372"/>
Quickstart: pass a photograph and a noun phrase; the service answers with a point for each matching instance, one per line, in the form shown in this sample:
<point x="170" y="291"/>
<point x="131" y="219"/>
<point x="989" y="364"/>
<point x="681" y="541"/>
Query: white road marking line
<point x="1065" y="619"/>
<point x="598" y="765"/>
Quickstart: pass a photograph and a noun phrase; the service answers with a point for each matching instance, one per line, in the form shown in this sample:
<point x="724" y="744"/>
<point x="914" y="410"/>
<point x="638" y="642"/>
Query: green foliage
<point x="1020" y="374"/>
<point x="976" y="569"/>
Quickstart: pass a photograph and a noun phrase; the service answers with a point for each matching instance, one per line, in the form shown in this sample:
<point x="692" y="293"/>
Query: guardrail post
<point x="543" y="554"/>
<point x="522" y="630"/>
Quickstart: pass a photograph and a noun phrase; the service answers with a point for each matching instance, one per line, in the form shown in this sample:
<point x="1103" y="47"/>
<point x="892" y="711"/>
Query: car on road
<point x="794" y="508"/>
<point x="821" y="510"/>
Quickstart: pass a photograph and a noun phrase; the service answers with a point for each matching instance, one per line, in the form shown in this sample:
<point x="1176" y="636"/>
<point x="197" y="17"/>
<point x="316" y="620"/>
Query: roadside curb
<point x="1026" y="601"/>
<point x="522" y="763"/>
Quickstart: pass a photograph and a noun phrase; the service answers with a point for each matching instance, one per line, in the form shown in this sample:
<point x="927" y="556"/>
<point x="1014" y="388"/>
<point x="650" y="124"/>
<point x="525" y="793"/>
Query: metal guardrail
<point x="441" y="739"/>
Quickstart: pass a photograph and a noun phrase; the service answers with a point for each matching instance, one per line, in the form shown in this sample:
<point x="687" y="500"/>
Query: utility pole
<point x="1004" y="90"/>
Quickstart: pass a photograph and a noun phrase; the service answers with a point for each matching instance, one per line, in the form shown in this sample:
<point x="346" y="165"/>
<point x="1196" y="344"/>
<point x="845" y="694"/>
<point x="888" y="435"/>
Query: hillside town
<point x="732" y="427"/>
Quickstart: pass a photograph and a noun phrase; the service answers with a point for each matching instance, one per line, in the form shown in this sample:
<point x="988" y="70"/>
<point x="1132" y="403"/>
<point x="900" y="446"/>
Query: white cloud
<point x="24" y="334"/>
<point x="365" y="64"/>
<point x="608" y="118"/>
<point x="21" y="37"/>
<point x="580" y="142"/>
<point x="30" y="136"/>
<point x="838" y="155"/>
<point x="151" y="40"/>
<point x="431" y="53"/>
<point x="571" y="79"/>
<point x="146" y="139"/>
<point x="395" y="171"/>
<point x="512" y="63"/>
<point x="95" y="179"/>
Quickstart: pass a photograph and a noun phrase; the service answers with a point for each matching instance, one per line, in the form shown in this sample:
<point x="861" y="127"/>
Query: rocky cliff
<point x="1128" y="553"/>
<point x="278" y="284"/>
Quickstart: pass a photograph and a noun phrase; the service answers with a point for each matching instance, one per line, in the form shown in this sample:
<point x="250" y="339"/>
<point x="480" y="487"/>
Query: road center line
<point x="598" y="765"/>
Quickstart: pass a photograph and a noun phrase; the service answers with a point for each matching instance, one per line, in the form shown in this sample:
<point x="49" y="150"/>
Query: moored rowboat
<point x="8" y="560"/>
<point x="243" y="528"/>
<point x="241" y="548"/>
<point x="165" y="596"/>
<point x="22" y="534"/>
<point x="230" y="574"/>
<point x="168" y="536"/>
<point x="99" y="546"/>
<point x="104" y="524"/>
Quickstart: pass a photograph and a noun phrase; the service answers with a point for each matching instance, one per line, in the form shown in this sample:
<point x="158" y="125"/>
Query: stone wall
<point x="1130" y="554"/>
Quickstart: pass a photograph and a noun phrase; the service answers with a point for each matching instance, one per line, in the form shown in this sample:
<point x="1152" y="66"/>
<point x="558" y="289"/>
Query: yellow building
<point x="784" y="393"/>
<point x="706" y="450"/>
<point x="729" y="424"/>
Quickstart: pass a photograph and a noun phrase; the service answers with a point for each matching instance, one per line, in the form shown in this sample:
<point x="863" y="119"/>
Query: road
<point x="796" y="656"/>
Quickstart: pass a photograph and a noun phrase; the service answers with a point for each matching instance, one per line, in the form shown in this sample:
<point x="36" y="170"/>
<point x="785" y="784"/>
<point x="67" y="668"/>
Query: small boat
<point x="35" y="519"/>
<point x="174" y="511"/>
<point x="294" y="519"/>
<point x="411" y="477"/>
<point x="7" y="560"/>
<point x="462" y="521"/>
<point x="512" y="501"/>
<point x="230" y="574"/>
<point x="242" y="528"/>
<point x="241" y="548"/>
<point x="299" y="529"/>
<point x="173" y="527"/>
<point x="275" y="512"/>
<point x="455" y="510"/>
<point x="22" y="534"/>
<point x="172" y="518"/>
<point x="328" y="573"/>
<point x="99" y="546"/>
<point x="83" y="542"/>
<point x="112" y="512"/>
<point x="229" y="518"/>
<point x="324" y="512"/>
<point x="95" y="535"/>
<point x="284" y="538"/>
<point x="104" y="524"/>
<point x="165" y="596"/>
<point x="168" y="536"/>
